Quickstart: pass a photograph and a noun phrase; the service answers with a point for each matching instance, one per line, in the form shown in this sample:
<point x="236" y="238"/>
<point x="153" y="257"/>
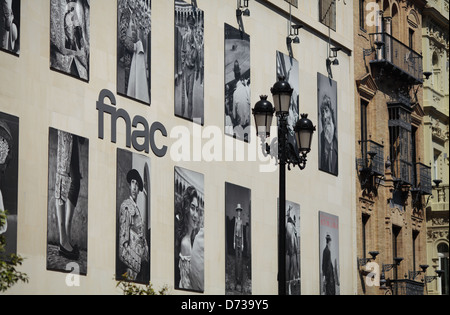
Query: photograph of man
<point x="69" y="37"/>
<point x="237" y="83"/>
<point x="329" y="254"/>
<point x="328" y="129"/>
<point x="68" y="201"/>
<point x="9" y="151"/>
<point x="189" y="62"/>
<point x="133" y="49"/>
<point x="10" y="26"/>
<point x="238" y="279"/>
<point x="189" y="230"/>
<point x="292" y="248"/>
<point x="133" y="217"/>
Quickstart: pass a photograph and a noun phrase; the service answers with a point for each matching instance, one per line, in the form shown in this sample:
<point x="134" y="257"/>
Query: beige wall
<point x="43" y="98"/>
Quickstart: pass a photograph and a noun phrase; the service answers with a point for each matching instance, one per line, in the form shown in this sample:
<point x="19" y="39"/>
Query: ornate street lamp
<point x="287" y="154"/>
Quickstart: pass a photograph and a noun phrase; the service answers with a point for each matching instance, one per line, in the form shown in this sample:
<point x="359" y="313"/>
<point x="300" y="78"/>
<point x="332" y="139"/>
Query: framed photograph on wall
<point x="329" y="254"/>
<point x="189" y="62"/>
<point x="237" y="84"/>
<point x="67" y="210"/>
<point x="293" y="282"/>
<point x="288" y="68"/>
<point x="238" y="255"/>
<point x="10" y="26"/>
<point x="9" y="168"/>
<point x="328" y="124"/>
<point x="134" y="49"/>
<point x="133" y="217"/>
<point x="189" y="230"/>
<point x="70" y="37"/>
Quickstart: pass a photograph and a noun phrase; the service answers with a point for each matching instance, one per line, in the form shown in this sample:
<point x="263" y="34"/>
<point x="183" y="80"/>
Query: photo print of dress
<point x="70" y="37"/>
<point x="9" y="159"/>
<point x="292" y="248"/>
<point x="189" y="230"/>
<point x="288" y="68"/>
<point x="189" y="62"/>
<point x="329" y="254"/>
<point x="10" y="26"/>
<point x="133" y="217"/>
<point x="67" y="209"/>
<point x="238" y="262"/>
<point x="134" y="49"/>
<point x="328" y="126"/>
<point x="237" y="83"/>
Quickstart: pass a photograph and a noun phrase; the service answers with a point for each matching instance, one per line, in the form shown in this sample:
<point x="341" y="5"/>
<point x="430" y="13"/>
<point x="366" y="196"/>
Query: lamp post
<point x="287" y="154"/>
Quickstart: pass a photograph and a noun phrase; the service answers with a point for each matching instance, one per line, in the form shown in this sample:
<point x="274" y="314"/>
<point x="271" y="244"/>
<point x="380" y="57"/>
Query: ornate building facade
<point x="436" y="106"/>
<point x="393" y="180"/>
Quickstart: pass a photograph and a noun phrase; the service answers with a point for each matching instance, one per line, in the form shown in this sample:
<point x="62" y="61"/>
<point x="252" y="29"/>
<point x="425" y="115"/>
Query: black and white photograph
<point x="189" y="62"/>
<point x="329" y="254"/>
<point x="189" y="249"/>
<point x="133" y="217"/>
<point x="9" y="157"/>
<point x="292" y="248"/>
<point x="238" y="258"/>
<point x="70" y="37"/>
<point x="10" y="26"/>
<point x="67" y="210"/>
<point x="237" y="83"/>
<point x="328" y="126"/>
<point x="288" y="68"/>
<point x="134" y="49"/>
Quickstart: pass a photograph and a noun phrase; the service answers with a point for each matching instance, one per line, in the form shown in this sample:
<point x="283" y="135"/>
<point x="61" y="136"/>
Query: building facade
<point x="135" y="151"/>
<point x="393" y="177"/>
<point x="435" y="97"/>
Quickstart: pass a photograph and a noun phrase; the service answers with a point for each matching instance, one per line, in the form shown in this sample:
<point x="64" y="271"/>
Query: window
<point x="396" y="246"/>
<point x="415" y="244"/>
<point x="443" y="265"/>
<point x="365" y="221"/>
<point x="362" y="14"/>
<point x="364" y="137"/>
<point x="327" y="13"/>
<point x="411" y="39"/>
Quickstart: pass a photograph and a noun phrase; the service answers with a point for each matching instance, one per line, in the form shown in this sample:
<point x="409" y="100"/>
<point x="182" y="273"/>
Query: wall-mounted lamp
<point x="387" y="267"/>
<point x="332" y="56"/>
<point x="427" y="75"/>
<point x="412" y="274"/>
<point x="439" y="274"/>
<point x="363" y="261"/>
<point x="293" y="34"/>
<point x="242" y="9"/>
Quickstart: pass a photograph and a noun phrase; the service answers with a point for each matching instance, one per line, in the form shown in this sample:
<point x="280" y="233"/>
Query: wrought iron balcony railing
<point x="395" y="56"/>
<point x="372" y="158"/>
<point x="422" y="180"/>
<point x="407" y="287"/>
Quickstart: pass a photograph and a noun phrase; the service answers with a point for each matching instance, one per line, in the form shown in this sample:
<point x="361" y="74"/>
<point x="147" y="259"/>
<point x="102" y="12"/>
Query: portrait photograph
<point x="70" y="37"/>
<point x="10" y="26"/>
<point x="237" y="83"/>
<point x="134" y="49"/>
<point x="329" y="254"/>
<point x="238" y="258"/>
<point x="327" y="124"/>
<point x="133" y="217"/>
<point x="67" y="209"/>
<point x="9" y="159"/>
<point x="189" y="62"/>
<point x="292" y="248"/>
<point x="189" y="230"/>
<point x="288" y="68"/>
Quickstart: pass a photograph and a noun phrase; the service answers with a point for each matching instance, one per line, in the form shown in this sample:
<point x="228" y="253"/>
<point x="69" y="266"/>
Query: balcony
<point x="395" y="58"/>
<point x="372" y="158"/>
<point x="407" y="287"/>
<point x="423" y="179"/>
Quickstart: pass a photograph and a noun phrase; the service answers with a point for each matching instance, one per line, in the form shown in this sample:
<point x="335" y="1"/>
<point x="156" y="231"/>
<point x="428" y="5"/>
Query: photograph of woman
<point x="69" y="37"/>
<point x="10" y="26"/>
<point x="9" y="137"/>
<point x="67" y="201"/>
<point x="133" y="49"/>
<point x="133" y="221"/>
<point x="189" y="230"/>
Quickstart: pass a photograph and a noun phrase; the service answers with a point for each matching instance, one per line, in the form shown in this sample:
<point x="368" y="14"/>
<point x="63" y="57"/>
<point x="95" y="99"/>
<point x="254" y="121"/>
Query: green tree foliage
<point x="8" y="263"/>
<point x="130" y="288"/>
